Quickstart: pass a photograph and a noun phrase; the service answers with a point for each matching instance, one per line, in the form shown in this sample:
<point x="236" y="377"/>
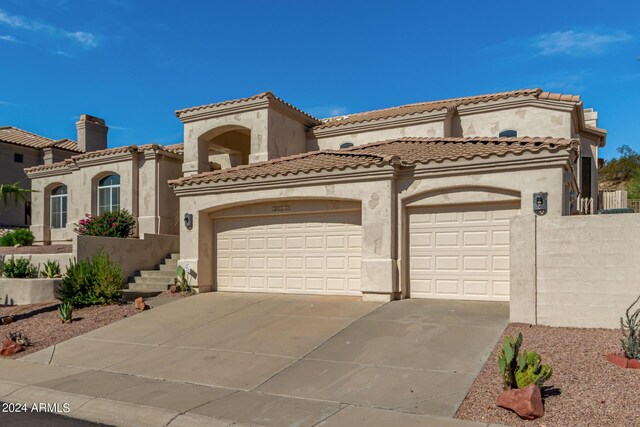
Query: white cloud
<point x="328" y="111"/>
<point x="87" y="40"/>
<point x="10" y="39"/>
<point x="577" y="43"/>
<point x="62" y="53"/>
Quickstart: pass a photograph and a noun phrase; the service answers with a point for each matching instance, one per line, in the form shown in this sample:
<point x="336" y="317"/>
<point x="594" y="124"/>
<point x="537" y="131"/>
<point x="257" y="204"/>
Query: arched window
<point x="109" y="194"/>
<point x="58" y="207"/>
<point x="509" y="133"/>
<point x="346" y="145"/>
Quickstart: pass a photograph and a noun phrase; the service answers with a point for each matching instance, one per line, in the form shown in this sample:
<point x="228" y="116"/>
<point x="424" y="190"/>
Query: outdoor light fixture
<point x="188" y="221"/>
<point x="540" y="203"/>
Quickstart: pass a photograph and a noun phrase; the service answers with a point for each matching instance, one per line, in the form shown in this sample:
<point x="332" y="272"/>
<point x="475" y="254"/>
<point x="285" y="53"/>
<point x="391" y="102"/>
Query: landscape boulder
<point x="9" y="348"/>
<point x="526" y="402"/>
<point x="140" y="304"/>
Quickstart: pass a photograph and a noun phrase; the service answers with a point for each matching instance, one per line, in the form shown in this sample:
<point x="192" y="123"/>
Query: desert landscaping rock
<point x="585" y="389"/>
<point x="526" y="402"/>
<point x="40" y="322"/>
<point x="9" y="348"/>
<point x="140" y="304"/>
<point x="7" y="319"/>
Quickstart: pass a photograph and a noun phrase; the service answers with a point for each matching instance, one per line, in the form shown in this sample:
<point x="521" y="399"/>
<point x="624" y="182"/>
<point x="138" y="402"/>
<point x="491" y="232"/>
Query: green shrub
<point x="51" y="269"/>
<point x="77" y="285"/>
<point x="20" y="268"/>
<point x="108" y="277"/>
<point x="92" y="282"/>
<point x="109" y="224"/>
<point x="65" y="312"/>
<point x="19" y="236"/>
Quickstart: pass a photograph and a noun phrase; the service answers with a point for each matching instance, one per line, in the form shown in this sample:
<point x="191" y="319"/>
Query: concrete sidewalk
<point x="271" y="360"/>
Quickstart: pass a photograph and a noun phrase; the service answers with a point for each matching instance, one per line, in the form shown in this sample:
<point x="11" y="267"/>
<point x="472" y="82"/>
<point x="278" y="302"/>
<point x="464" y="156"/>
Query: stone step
<point x="169" y="267"/>
<point x="168" y="274"/>
<point x="131" y="294"/>
<point x="170" y="261"/>
<point x="137" y="286"/>
<point x="175" y="256"/>
<point x="154" y="280"/>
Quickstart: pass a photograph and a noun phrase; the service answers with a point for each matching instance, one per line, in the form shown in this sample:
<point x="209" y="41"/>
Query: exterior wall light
<point x="540" y="203"/>
<point x="188" y="221"/>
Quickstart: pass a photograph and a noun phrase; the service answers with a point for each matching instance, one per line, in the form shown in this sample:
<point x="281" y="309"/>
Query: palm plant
<point x="15" y="192"/>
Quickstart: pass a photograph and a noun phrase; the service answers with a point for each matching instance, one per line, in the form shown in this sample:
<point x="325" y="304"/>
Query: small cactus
<point x="19" y="338"/>
<point x="65" y="311"/>
<point x="518" y="371"/>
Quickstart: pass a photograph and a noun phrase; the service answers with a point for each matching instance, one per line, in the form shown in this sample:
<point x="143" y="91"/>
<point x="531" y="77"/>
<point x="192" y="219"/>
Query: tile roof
<point x="263" y="95"/>
<point x="175" y="148"/>
<point x="18" y="136"/>
<point x="422" y="107"/>
<point x="405" y="151"/>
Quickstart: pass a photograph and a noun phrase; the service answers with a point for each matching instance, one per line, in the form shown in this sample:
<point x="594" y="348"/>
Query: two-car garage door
<point x="307" y="253"/>
<point x="460" y="252"/>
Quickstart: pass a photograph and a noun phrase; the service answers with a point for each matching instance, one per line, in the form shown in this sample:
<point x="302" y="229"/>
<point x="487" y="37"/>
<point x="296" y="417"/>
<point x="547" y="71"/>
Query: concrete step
<point x="169" y="267"/>
<point x="158" y="273"/>
<point x="154" y="280"/>
<point x="131" y="294"/>
<point x="175" y="256"/>
<point x="136" y="286"/>
<point x="170" y="261"/>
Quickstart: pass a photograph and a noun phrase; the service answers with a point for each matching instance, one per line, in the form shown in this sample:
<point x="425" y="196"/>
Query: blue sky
<point x="135" y="62"/>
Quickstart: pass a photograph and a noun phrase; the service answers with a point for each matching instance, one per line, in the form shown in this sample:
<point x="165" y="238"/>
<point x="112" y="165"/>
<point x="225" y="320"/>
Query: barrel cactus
<point x="518" y="371"/>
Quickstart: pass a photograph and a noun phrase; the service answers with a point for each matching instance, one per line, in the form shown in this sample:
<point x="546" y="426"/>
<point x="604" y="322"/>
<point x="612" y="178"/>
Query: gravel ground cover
<point x="41" y="324"/>
<point x="585" y="389"/>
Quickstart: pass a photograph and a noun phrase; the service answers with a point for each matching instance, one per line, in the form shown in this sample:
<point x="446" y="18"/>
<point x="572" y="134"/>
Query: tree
<point x="623" y="168"/>
<point x="15" y="192"/>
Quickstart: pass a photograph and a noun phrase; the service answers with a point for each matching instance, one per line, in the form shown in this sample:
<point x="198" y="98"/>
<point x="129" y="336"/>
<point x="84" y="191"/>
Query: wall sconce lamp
<point x="188" y="221"/>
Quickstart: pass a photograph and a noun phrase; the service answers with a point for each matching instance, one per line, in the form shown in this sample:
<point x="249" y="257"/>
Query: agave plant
<point x="51" y="269"/>
<point x="65" y="311"/>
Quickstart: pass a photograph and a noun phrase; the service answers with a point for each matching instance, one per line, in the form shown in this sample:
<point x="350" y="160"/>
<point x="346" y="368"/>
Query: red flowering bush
<point x="109" y="224"/>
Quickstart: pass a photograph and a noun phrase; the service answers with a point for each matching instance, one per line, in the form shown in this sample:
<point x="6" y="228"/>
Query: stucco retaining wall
<point x="28" y="291"/>
<point x="130" y="254"/>
<point x="579" y="271"/>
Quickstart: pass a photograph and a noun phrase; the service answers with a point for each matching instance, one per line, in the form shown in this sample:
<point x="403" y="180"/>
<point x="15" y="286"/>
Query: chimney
<point x="591" y="117"/>
<point x="92" y="133"/>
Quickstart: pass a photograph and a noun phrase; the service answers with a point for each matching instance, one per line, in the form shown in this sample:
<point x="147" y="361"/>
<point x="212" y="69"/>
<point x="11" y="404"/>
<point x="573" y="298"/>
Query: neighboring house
<point x="133" y="178"/>
<point x="406" y="201"/>
<point x="20" y="149"/>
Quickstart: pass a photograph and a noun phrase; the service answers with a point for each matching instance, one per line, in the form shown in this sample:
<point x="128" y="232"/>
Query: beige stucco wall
<point x="12" y="172"/>
<point x="321" y="141"/>
<point x="131" y="255"/>
<point x="143" y="191"/>
<point x="578" y="271"/>
<point x="28" y="291"/>
<point x="528" y="121"/>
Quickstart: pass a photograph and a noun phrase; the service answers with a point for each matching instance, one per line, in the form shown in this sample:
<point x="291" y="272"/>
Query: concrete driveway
<point x="273" y="360"/>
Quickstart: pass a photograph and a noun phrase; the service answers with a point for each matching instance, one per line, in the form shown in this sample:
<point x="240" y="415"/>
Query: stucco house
<point x="410" y="201"/>
<point x="20" y="149"/>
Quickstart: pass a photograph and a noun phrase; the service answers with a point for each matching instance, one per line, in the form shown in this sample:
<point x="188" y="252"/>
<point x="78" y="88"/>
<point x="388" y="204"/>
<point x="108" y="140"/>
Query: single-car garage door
<point x="460" y="252"/>
<point x="310" y="253"/>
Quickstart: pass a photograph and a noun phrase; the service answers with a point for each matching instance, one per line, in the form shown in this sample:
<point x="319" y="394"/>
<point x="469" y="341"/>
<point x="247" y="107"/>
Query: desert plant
<point x="51" y="269"/>
<point x="65" y="312"/>
<point x="91" y="282"/>
<point x="78" y="285"/>
<point x="15" y="192"/>
<point x="20" y="268"/>
<point x="109" y="224"/>
<point x="518" y="371"/>
<point x="108" y="278"/>
<point x="631" y="332"/>
<point x="19" y="236"/>
<point x="181" y="282"/>
<point x="20" y="338"/>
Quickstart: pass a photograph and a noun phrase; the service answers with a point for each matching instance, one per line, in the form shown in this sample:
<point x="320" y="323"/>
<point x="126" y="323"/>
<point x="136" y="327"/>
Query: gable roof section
<point x="403" y="151"/>
<point x="264" y="95"/>
<point x="14" y="135"/>
<point x="174" y="149"/>
<point x="424" y="107"/>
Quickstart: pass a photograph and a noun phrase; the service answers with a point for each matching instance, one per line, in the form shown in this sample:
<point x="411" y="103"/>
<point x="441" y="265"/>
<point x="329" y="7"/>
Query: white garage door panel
<point x="462" y="254"/>
<point x="313" y="254"/>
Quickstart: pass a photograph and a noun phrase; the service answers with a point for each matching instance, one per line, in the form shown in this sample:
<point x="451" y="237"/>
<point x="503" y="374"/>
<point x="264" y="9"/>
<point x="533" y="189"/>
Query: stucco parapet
<point x="516" y="103"/>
